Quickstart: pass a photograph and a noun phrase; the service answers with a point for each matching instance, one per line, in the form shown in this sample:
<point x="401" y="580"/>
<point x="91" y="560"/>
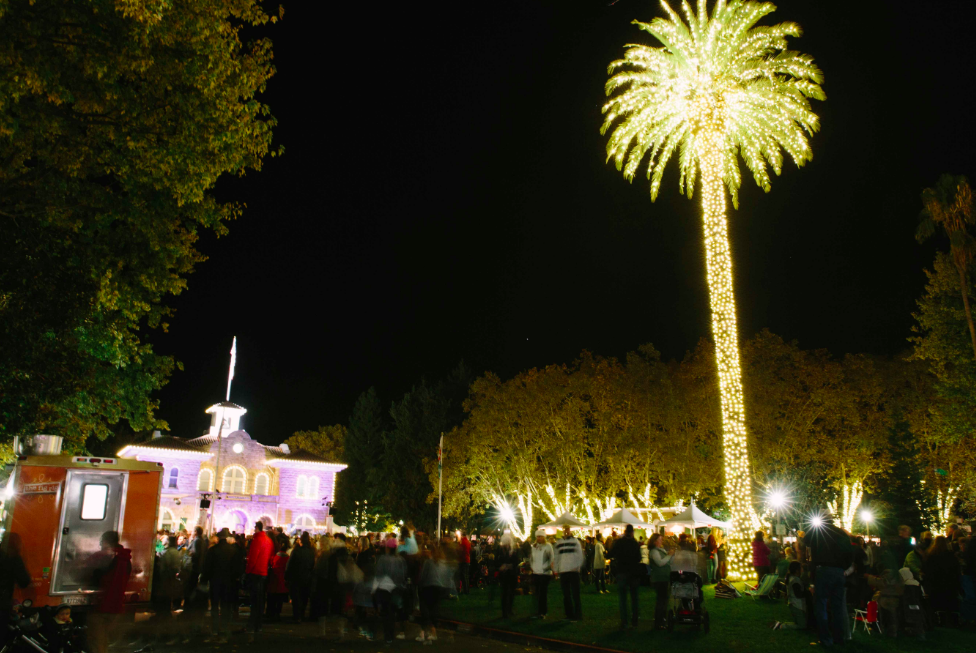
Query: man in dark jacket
<point x="12" y="571"/>
<point x="627" y="568"/>
<point x="222" y="566"/>
<point x="831" y="553"/>
<point x="298" y="576"/>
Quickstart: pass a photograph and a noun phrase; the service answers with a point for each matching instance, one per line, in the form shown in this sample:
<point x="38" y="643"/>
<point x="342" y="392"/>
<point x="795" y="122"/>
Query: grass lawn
<point x="736" y="625"/>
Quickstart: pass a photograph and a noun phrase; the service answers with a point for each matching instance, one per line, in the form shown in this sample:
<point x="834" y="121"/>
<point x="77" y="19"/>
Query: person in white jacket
<point x="567" y="564"/>
<point x="540" y="560"/>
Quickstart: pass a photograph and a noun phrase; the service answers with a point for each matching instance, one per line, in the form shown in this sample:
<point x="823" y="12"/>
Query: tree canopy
<point x="117" y="117"/>
<point x="329" y="442"/>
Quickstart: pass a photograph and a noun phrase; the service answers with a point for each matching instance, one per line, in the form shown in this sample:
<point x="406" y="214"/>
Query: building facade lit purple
<point x="272" y="484"/>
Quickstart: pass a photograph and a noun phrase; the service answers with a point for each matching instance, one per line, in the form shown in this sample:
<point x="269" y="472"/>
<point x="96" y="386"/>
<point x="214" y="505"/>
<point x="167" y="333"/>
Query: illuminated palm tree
<point x="720" y="87"/>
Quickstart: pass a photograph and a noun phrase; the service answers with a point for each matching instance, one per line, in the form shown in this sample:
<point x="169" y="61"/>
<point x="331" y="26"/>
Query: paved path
<point x="292" y="638"/>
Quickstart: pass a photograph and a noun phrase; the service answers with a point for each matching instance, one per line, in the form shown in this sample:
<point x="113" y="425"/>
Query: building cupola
<point x="225" y="418"/>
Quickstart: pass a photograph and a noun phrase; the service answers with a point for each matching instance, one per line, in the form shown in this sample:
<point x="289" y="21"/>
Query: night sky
<point x="444" y="196"/>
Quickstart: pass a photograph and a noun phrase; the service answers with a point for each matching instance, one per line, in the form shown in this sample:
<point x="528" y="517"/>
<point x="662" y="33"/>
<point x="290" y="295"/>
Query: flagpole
<point x="440" y="481"/>
<point x="220" y="431"/>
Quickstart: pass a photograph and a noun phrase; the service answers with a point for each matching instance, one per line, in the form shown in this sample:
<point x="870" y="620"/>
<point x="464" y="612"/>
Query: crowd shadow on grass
<point x="737" y="626"/>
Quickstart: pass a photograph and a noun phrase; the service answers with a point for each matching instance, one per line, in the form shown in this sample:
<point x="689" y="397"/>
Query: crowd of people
<point x="373" y="583"/>
<point x="376" y="583"/>
<point x="915" y="584"/>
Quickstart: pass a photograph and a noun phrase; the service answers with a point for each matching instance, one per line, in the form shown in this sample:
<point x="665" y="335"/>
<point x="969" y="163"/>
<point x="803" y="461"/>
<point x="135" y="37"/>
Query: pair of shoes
<point x="401" y="635"/>
<point x="421" y="638"/>
<point x="369" y="637"/>
<point x="777" y="625"/>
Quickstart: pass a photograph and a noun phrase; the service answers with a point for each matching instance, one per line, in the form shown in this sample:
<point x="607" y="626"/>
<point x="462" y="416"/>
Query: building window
<point x="205" y="481"/>
<point x="305" y="521"/>
<point x="166" y="521"/>
<point x="235" y="479"/>
<point x="174" y="477"/>
<point x="261" y="483"/>
<point x="94" y="498"/>
<point x="307" y="487"/>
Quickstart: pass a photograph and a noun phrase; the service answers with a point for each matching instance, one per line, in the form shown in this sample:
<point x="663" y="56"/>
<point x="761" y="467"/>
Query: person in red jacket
<point x="464" y="563"/>
<point x="277" y="588"/>
<point x="256" y="575"/>
<point x="760" y="556"/>
<point x="112" y="580"/>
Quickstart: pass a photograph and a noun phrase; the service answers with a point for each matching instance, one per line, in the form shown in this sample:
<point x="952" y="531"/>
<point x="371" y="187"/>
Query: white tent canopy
<point x="693" y="518"/>
<point x="565" y="519"/>
<point x="621" y="518"/>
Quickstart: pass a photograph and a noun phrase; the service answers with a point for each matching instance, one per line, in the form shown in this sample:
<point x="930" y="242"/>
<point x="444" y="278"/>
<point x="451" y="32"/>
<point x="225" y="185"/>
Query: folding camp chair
<point x="868" y="617"/>
<point x="765" y="588"/>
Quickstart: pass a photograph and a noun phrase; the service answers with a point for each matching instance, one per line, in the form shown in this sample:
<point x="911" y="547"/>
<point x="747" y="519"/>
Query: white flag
<point x="233" y="362"/>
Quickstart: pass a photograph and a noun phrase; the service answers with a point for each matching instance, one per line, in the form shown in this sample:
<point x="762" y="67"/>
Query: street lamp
<point x="867" y="517"/>
<point x="816" y="521"/>
<point x="777" y="500"/>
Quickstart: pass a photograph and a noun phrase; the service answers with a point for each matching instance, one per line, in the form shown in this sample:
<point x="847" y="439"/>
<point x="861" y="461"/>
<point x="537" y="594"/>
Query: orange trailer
<point x="59" y="506"/>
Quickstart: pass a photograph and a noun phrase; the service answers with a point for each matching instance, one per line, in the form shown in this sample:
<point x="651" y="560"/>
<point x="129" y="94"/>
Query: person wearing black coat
<point x="222" y="568"/>
<point x="942" y="577"/>
<point x="627" y="568"/>
<point x="298" y="576"/>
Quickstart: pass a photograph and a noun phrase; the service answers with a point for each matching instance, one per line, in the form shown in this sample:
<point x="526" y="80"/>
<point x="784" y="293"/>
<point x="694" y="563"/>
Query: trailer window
<point x="94" y="500"/>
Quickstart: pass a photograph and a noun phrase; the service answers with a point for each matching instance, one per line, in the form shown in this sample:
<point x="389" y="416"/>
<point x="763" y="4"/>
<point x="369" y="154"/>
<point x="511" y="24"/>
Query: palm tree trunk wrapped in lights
<point x="720" y="87"/>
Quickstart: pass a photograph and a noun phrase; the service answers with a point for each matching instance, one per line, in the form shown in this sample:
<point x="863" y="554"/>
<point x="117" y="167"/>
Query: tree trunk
<point x="961" y="266"/>
<point x="738" y="481"/>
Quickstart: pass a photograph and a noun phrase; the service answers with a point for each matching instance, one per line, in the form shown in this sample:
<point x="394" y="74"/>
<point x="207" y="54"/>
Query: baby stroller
<point x="686" y="601"/>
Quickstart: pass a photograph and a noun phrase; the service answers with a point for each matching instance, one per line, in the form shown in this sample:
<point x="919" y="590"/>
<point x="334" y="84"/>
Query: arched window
<point x="166" y="521"/>
<point x="205" y="481"/>
<point x="313" y="487"/>
<point x="235" y="480"/>
<point x="174" y="477"/>
<point x="266" y="521"/>
<point x="305" y="521"/>
<point x="301" y="488"/>
<point x="261" y="483"/>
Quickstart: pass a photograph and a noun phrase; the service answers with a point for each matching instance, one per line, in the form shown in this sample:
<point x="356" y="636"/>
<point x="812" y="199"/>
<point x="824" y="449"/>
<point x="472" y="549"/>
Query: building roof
<point x="165" y="443"/>
<point x="299" y="456"/>
<point x="276" y="455"/>
<point x="227" y="404"/>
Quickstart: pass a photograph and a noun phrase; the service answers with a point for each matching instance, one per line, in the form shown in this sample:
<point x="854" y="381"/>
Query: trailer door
<point x="94" y="502"/>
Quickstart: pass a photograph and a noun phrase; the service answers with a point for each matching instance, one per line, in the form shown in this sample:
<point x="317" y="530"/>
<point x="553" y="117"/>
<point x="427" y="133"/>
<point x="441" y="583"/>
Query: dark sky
<point x="444" y="196"/>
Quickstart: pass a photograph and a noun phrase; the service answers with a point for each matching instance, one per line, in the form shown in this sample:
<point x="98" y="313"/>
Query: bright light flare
<point x="867" y="516"/>
<point x="777" y="499"/>
<point x="507" y="514"/>
<point x="816" y="521"/>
